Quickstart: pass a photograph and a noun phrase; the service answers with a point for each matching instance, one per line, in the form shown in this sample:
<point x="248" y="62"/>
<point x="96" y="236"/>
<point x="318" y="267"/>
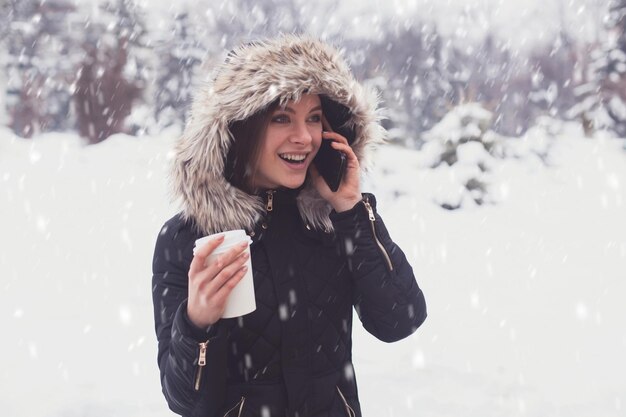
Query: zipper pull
<point x="202" y="356"/>
<point x="270" y="200"/>
<point x="383" y="251"/>
<point x="369" y="209"/>
<point x="201" y="364"/>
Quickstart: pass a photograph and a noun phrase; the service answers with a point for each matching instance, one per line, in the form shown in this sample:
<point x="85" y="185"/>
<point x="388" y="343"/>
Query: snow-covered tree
<point x="462" y="147"/>
<point x="417" y="90"/>
<point x="238" y="21"/>
<point x="38" y="93"/>
<point x="179" y="55"/>
<point x="498" y="79"/>
<point x="6" y="12"/>
<point x="602" y="98"/>
<point x="614" y="71"/>
<point x="111" y="75"/>
<point x="553" y="69"/>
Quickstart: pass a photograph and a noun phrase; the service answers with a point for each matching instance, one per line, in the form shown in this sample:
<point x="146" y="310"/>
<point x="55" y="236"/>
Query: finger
<point x="334" y="136"/>
<point x="225" y="274"/>
<point x="219" y="271"/>
<point x="212" y="277"/>
<point x="216" y="265"/>
<point x="203" y="276"/>
<point x="218" y="299"/>
<point x="199" y="259"/>
<point x="230" y="255"/>
<point x="227" y="271"/>
<point x="222" y="261"/>
<point x="346" y="149"/>
<point x="224" y="291"/>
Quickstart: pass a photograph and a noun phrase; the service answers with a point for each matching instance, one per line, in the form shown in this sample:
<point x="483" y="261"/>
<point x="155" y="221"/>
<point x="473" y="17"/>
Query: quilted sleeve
<point x="387" y="298"/>
<point x="192" y="361"/>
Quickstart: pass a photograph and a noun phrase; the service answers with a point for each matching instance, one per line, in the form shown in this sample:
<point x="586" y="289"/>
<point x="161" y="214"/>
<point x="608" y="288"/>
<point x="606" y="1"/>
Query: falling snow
<point x="125" y="315"/>
<point x="531" y="280"/>
<point x="523" y="274"/>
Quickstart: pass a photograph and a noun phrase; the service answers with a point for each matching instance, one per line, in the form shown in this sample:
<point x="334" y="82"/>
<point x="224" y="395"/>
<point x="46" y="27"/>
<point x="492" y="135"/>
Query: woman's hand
<point x="210" y="285"/>
<point x="349" y="192"/>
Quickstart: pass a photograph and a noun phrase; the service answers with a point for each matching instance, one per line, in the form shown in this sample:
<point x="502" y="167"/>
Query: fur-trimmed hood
<point x="251" y="78"/>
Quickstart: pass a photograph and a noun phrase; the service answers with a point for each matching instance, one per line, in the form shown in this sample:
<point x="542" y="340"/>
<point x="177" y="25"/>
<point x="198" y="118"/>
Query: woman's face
<point x="292" y="138"/>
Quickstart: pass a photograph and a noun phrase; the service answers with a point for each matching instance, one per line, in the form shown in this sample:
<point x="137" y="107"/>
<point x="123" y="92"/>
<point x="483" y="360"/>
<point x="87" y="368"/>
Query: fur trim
<point x="254" y="76"/>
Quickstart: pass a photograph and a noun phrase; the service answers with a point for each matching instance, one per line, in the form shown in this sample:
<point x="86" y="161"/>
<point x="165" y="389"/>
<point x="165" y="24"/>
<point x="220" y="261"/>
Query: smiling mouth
<point x="296" y="159"/>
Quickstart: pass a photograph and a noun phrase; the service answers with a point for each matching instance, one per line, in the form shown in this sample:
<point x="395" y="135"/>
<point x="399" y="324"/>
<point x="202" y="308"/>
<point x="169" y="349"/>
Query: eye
<point x="280" y="118"/>
<point x="315" y="118"/>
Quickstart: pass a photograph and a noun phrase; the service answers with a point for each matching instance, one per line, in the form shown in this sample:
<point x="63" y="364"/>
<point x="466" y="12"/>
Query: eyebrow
<point x="290" y="110"/>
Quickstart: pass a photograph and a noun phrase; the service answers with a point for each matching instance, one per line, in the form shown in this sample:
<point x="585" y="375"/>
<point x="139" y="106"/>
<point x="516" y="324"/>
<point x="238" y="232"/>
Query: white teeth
<point x="293" y="157"/>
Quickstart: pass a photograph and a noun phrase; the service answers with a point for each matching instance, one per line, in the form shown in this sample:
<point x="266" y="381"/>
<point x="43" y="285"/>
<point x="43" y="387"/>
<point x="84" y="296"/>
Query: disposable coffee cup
<point x="241" y="300"/>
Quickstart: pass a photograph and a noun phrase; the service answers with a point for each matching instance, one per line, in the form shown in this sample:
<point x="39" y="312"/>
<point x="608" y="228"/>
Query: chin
<point x="294" y="184"/>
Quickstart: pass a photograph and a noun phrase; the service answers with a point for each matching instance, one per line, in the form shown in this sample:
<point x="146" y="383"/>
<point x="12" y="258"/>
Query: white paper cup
<point x="241" y="300"/>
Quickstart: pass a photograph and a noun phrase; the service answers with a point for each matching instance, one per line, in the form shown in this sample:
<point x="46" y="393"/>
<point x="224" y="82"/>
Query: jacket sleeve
<point x="190" y="390"/>
<point x="387" y="298"/>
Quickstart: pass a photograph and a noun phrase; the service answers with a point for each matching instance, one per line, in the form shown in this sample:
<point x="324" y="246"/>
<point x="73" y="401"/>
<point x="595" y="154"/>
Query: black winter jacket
<point x="292" y="355"/>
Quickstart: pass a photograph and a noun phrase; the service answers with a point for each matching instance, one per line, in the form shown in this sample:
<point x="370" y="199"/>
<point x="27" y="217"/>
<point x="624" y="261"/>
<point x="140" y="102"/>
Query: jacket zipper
<point x="349" y="409"/>
<point x="370" y="212"/>
<point x="240" y="405"/>
<point x="270" y="200"/>
<point x="201" y="364"/>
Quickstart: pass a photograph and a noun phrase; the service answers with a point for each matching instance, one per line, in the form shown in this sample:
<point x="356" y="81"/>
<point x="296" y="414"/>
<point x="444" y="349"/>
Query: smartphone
<point x="331" y="164"/>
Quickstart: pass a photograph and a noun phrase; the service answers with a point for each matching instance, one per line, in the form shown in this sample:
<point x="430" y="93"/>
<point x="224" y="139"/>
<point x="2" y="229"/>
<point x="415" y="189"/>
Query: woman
<point x="245" y="162"/>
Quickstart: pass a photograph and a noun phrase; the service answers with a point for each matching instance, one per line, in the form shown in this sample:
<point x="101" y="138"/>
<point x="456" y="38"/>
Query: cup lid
<point x="231" y="237"/>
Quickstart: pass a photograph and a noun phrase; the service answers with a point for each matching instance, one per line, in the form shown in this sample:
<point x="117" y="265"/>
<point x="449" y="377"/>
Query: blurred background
<point x="104" y="67"/>
<point x="504" y="182"/>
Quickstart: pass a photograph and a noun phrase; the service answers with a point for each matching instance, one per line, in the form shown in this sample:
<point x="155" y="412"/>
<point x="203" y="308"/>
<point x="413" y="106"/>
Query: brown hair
<point x="243" y="155"/>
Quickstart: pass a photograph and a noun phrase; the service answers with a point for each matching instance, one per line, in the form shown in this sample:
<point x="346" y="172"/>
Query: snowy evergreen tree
<point x="102" y="58"/>
<point x="417" y="90"/>
<point x="464" y="147"/>
<point x="602" y="97"/>
<point x="399" y="55"/>
<point x="111" y="74"/>
<point x="238" y="21"/>
<point x="179" y="56"/>
<point x="490" y="72"/>
<point x="553" y="77"/>
<point x="23" y="75"/>
<point x="38" y="92"/>
<point x="437" y="93"/>
<point x="614" y="72"/>
<point x="6" y="12"/>
<point x="130" y="28"/>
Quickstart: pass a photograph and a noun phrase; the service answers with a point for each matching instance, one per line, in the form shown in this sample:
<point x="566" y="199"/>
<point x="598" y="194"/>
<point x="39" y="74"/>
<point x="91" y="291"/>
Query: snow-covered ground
<point x="525" y="296"/>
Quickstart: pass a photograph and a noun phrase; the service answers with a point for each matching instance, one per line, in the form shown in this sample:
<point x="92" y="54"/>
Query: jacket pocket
<point x="349" y="410"/>
<point x="237" y="409"/>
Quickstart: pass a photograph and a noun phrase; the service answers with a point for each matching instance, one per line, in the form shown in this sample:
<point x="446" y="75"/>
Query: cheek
<point x="269" y="146"/>
<point x="272" y="138"/>
<point x="317" y="139"/>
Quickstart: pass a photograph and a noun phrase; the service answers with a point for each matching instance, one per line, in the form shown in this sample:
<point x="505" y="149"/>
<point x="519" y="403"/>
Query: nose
<point x="301" y="134"/>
